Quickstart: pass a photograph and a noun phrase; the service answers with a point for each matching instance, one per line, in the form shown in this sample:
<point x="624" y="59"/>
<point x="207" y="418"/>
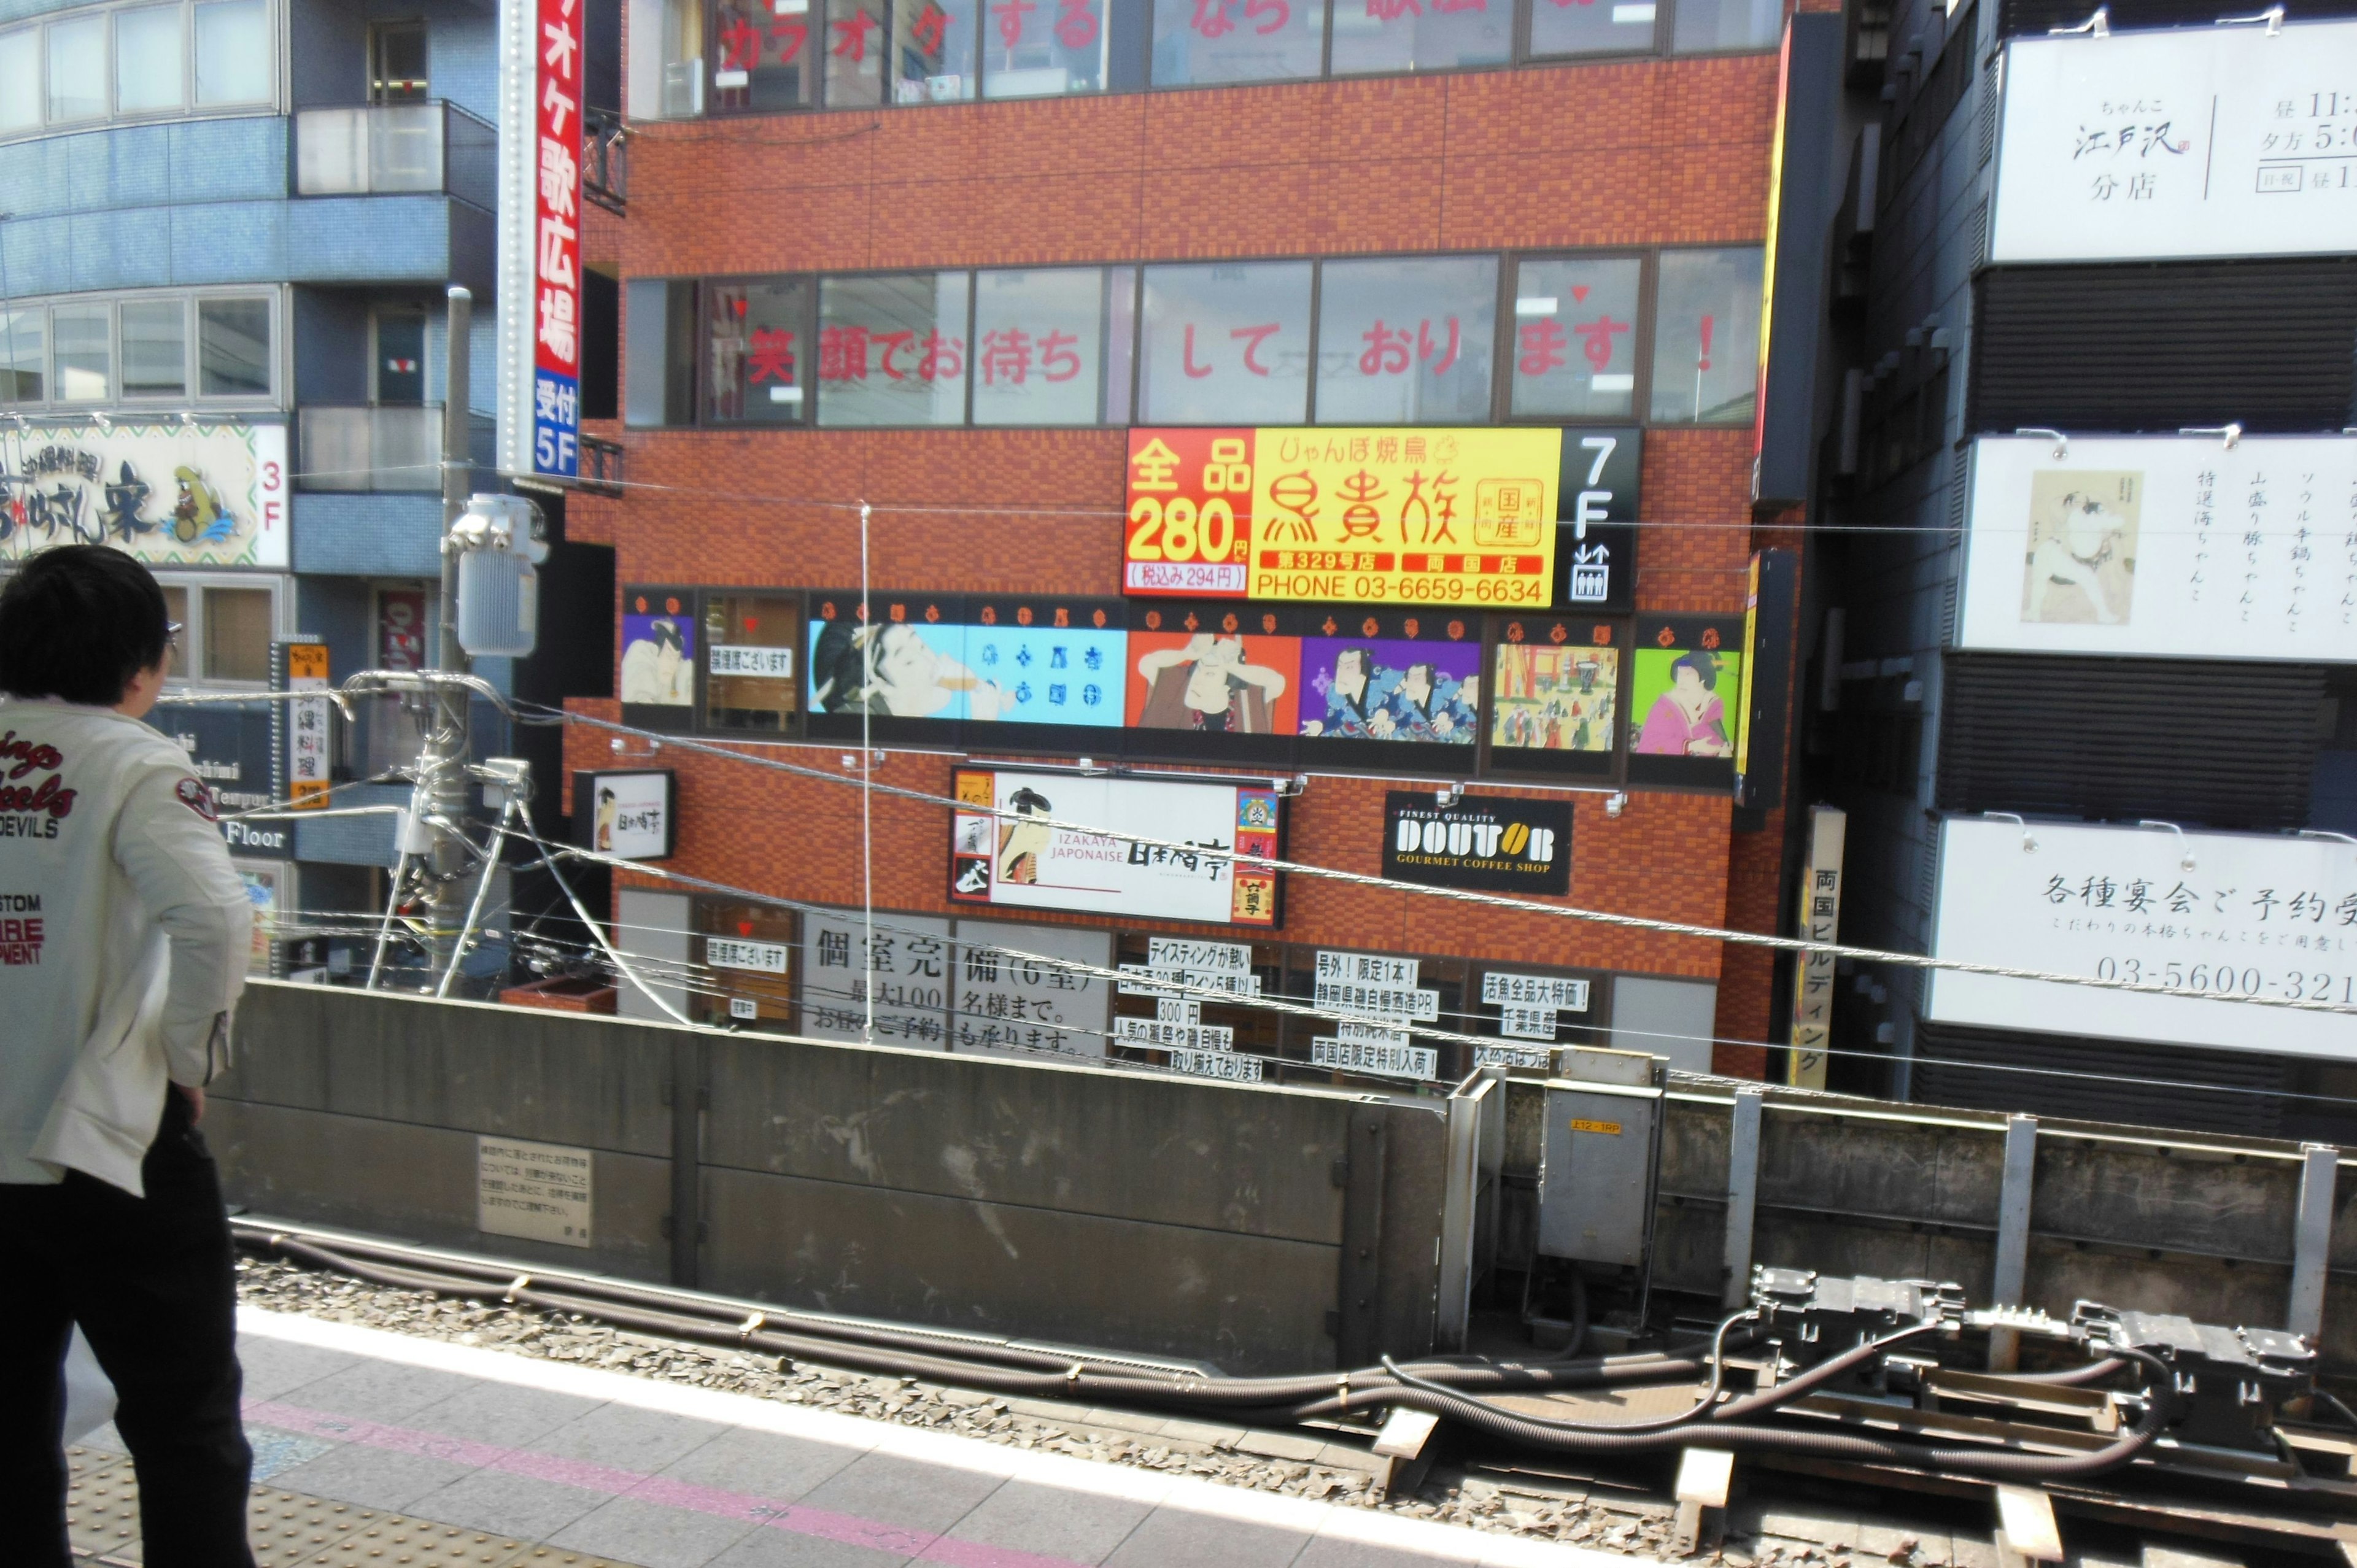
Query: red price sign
<point x="1190" y="505"/>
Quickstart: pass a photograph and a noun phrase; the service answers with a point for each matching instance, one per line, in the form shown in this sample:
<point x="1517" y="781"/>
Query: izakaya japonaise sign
<point x="171" y="494"/>
<point x="2183" y="141"/>
<point x="2166" y="544"/>
<point x="1443" y="517"/>
<point x="2216" y="920"/>
<point x="1036" y="851"/>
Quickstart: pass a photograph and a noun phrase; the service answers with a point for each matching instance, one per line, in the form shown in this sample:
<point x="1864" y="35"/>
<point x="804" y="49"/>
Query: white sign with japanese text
<point x="171" y="493"/>
<point x="1216" y="1064"/>
<point x="2215" y="919"/>
<point x="1022" y="990"/>
<point x="1370" y="985"/>
<point x="632" y="814"/>
<point x="2165" y="545"/>
<point x="541" y="1192"/>
<point x="2181" y="142"/>
<point x="759" y="958"/>
<point x="905" y="972"/>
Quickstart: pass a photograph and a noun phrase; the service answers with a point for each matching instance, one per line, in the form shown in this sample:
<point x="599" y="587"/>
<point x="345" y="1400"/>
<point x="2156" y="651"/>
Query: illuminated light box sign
<point x="634" y="815"/>
<point x="2176" y="545"/>
<point x="2185" y="142"/>
<point x="2251" y="916"/>
<point x="1437" y="517"/>
<point x="171" y="494"/>
<point x="1018" y="859"/>
<point x="1491" y="842"/>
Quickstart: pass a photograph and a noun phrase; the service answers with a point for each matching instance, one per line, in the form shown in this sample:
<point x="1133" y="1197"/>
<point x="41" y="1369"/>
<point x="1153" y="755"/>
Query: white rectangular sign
<point x="761" y="660"/>
<point x="171" y="494"/>
<point x="1019" y="858"/>
<point x="1512" y="1055"/>
<point x="908" y="970"/>
<point x="1159" y="983"/>
<point x="1526" y="1022"/>
<point x="1216" y="1064"/>
<point x="761" y="957"/>
<point x="2164" y="545"/>
<point x="630" y="813"/>
<point x="1154" y="1034"/>
<point x="1022" y="990"/>
<point x="2252" y="916"/>
<point x="542" y="1192"/>
<point x="2181" y="142"/>
<point x="1554" y="992"/>
<point x="1366" y="1056"/>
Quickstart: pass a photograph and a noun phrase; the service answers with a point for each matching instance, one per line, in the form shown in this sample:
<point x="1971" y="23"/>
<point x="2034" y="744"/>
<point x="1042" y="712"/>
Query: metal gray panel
<point x="1596" y="1185"/>
<point x="418" y="1184"/>
<point x="1250" y="1304"/>
<point x="1152" y="1149"/>
<point x="2166" y="1196"/>
<point x="651" y="926"/>
<point x="1359" y="1272"/>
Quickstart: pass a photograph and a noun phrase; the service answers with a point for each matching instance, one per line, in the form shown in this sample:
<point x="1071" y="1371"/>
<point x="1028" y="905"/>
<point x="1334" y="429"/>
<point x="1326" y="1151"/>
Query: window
<point x="1407" y="342"/>
<point x="85" y="356"/>
<point x="1200" y="43"/>
<point x="1039" y="345"/>
<point x="1226" y="344"/>
<point x="758" y="350"/>
<point x="659" y="358"/>
<point x="763" y="61"/>
<point x="666" y="59"/>
<point x="1044" y="48"/>
<point x="397" y="63"/>
<point x="934" y="44"/>
<point x="20" y="80"/>
<point x="1701" y="25"/>
<point x="891" y="350"/>
<point x="234" y="348"/>
<point x="155" y="348"/>
<point x="226" y="627"/>
<point x="1574" y="337"/>
<point x="235" y="55"/>
<point x="77" y="68"/>
<point x="856" y="43"/>
<point x="1407" y="34"/>
<point x="24" y="355"/>
<point x="1706" y="336"/>
<point x="150" y="63"/>
<point x="1591" y="26"/>
<point x="397" y="370"/>
<point x="752" y="678"/>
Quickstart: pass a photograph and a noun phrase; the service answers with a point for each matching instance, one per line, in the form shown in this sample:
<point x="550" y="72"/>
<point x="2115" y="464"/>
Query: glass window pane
<point x="77" y="68"/>
<point x="234" y="348"/>
<point x="891" y="350"/>
<point x="24" y="355"/>
<point x="1039" y="347"/>
<point x="762" y="55"/>
<point x="237" y="634"/>
<point x="85" y="357"/>
<point x="176" y="608"/>
<point x="149" y="72"/>
<point x="234" y="52"/>
<point x="1422" y="35"/>
<point x="1226" y="344"/>
<point x="757" y="352"/>
<point x="1699" y="25"/>
<point x="933" y="46"/>
<point x="1041" y="48"/>
<point x="20" y="80"/>
<point x="855" y="53"/>
<point x="1576" y="337"/>
<point x="1407" y="342"/>
<point x="155" y="348"/>
<point x="1706" y="336"/>
<point x="751" y="678"/>
<point x="1591" y="26"/>
<point x="1121" y="341"/>
<point x="1206" y="41"/>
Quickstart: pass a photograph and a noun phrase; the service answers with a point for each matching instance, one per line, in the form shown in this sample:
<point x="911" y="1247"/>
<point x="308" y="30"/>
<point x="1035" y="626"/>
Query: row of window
<point x="136" y="63"/>
<point x="171" y="346"/>
<point x="1383" y="340"/>
<point x="725" y="56"/>
<point x="1652" y="701"/>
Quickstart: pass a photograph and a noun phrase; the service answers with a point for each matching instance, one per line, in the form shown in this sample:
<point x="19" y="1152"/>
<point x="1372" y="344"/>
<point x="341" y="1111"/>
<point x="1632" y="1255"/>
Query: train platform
<point x="377" y="1449"/>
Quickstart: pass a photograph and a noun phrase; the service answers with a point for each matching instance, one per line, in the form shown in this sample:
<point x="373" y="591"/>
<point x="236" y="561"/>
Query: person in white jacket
<point x="123" y="942"/>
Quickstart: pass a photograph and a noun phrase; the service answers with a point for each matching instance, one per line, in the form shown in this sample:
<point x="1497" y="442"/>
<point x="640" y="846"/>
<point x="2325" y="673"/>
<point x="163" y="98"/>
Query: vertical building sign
<point x="540" y="248"/>
<point x="302" y="742"/>
<point x="1813" y="975"/>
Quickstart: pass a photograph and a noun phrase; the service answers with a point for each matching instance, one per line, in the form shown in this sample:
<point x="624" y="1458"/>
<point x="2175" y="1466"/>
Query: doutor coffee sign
<point x="1494" y="844"/>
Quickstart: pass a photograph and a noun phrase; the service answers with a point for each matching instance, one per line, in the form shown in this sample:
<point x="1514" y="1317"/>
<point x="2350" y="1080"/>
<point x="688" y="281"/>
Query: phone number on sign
<point x="2226" y="981"/>
<point x="1503" y="592"/>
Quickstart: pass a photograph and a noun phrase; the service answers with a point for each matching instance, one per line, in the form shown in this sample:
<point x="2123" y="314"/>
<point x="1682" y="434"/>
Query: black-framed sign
<point x="1496" y="843"/>
<point x="1686" y="699"/>
<point x="659" y="643"/>
<point x="632" y="813"/>
<point x="1596" y="511"/>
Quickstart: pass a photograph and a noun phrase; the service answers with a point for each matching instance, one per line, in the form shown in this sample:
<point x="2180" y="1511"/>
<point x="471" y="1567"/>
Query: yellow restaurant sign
<point x="1374" y="516"/>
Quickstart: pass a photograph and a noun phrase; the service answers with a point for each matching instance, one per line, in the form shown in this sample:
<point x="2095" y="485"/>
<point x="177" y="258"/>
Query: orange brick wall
<point x="1628" y="154"/>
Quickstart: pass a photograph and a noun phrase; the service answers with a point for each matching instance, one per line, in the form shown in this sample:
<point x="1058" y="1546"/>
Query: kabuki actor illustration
<point x="2083" y="546"/>
<point x="171" y="494"/>
<point x="657" y="652"/>
<point x="1390" y="689"/>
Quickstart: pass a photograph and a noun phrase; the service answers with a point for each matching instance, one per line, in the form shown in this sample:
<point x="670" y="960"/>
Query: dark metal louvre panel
<point x="2161" y="346"/>
<point x="2019" y="17"/>
<point x="2213" y="743"/>
<point x="2101" y="1080"/>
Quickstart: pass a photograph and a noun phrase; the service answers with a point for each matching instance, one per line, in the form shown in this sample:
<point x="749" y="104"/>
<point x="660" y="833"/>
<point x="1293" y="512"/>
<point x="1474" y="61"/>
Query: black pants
<point x="152" y="1280"/>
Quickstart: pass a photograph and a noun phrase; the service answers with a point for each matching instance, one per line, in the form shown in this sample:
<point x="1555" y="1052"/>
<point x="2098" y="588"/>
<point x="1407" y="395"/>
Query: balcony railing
<point x="380" y="450"/>
<point x="606" y="160"/>
<point x="379" y="149"/>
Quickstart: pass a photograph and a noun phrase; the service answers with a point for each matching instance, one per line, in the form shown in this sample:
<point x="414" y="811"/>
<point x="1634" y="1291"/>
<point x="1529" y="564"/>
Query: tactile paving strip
<point x="292" y="1529"/>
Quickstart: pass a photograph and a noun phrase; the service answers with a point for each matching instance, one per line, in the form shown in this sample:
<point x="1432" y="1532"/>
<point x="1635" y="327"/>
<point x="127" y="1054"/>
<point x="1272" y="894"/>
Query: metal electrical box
<point x="1595" y="1171"/>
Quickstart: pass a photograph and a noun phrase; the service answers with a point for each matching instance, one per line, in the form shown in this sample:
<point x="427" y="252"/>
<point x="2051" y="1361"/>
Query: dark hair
<point x="1701" y="664"/>
<point x="1027" y="801"/>
<point x="663" y="632"/>
<point x="78" y="621"/>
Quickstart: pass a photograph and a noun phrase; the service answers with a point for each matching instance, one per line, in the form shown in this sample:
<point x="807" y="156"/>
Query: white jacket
<point x="124" y="935"/>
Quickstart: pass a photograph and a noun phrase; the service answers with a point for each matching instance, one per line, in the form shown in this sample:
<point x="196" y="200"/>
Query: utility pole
<point x="443" y="778"/>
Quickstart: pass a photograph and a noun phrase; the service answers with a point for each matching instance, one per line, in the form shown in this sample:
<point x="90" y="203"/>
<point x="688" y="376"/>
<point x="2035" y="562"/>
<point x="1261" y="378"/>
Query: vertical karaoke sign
<point x="540" y="248"/>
